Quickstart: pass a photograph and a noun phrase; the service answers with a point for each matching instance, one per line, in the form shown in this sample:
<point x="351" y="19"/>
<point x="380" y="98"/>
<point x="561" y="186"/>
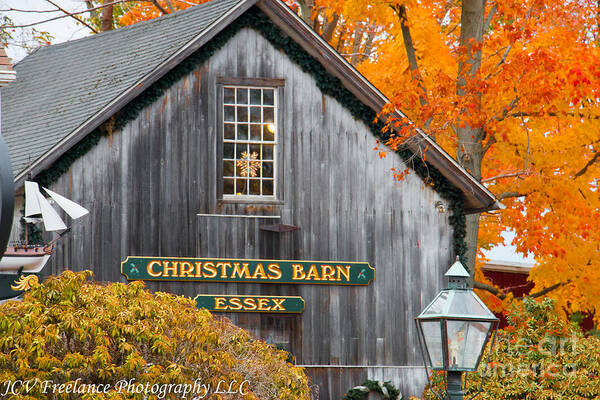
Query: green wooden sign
<point x="254" y="271"/>
<point x="237" y="303"/>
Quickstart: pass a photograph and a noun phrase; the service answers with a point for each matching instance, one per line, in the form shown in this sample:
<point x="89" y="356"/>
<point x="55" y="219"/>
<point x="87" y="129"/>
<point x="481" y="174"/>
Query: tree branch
<point x="411" y="55"/>
<point x="73" y="16"/>
<point x="488" y="144"/>
<point x="27" y="11"/>
<point x="329" y="28"/>
<point x="170" y="5"/>
<point x="488" y="19"/>
<point x="65" y="16"/>
<point x="369" y="42"/>
<point x="90" y="6"/>
<point x="162" y="10"/>
<point x="354" y="54"/>
<point x="510" y="106"/>
<point x="358" y="37"/>
<point x="489" y="288"/>
<point x="553" y="114"/>
<point x="587" y="165"/>
<point x="501" y="295"/>
<point x="511" y="175"/>
<point x="548" y="289"/>
<point x="507" y="195"/>
<point x="505" y="55"/>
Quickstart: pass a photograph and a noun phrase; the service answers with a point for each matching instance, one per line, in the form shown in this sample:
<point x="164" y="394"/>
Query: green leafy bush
<point x="539" y="356"/>
<point x="136" y="343"/>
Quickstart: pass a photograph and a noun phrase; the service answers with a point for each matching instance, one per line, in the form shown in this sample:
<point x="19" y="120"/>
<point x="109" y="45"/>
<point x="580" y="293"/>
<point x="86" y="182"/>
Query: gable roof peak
<point x="89" y="85"/>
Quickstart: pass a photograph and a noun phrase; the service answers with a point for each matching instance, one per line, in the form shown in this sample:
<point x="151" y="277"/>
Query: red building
<point x="512" y="277"/>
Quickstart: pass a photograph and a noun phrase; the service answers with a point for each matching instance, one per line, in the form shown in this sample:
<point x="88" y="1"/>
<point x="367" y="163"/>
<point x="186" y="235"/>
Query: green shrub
<point x="69" y="330"/>
<point x="538" y="356"/>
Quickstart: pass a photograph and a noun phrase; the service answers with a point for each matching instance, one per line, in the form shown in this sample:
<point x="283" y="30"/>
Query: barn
<point x="225" y="153"/>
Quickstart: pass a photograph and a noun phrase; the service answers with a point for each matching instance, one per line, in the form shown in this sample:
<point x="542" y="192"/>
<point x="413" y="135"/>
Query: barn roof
<point x="65" y="91"/>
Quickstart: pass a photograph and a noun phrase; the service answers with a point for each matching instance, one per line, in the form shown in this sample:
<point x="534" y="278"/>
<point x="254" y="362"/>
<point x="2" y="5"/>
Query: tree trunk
<point x="356" y="44"/>
<point x="106" y="19"/>
<point x="470" y="149"/>
<point x="329" y="28"/>
<point x="306" y="8"/>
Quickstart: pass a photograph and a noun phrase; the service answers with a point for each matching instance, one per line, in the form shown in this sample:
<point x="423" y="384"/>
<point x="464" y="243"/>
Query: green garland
<point x="330" y="85"/>
<point x="360" y="392"/>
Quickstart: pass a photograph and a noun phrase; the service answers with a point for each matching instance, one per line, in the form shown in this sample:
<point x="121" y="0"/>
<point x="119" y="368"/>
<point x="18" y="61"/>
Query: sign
<point x="266" y="304"/>
<point x="251" y="271"/>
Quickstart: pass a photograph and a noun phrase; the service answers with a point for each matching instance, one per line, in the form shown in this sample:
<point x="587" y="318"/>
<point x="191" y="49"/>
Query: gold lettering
<point x="236" y="303"/>
<point x="243" y="272"/>
<point x="298" y="272"/>
<point x="275" y="271"/>
<point x="343" y="270"/>
<point x="259" y="271"/>
<point x="170" y="269"/>
<point x="198" y="269"/>
<point x="313" y="273"/>
<point x="220" y="303"/>
<point x="328" y="272"/>
<point x="223" y="269"/>
<point x="150" y="269"/>
<point x="186" y="269"/>
<point x="249" y="303"/>
<point x="278" y="304"/>
<point x="262" y="304"/>
<point x="212" y="271"/>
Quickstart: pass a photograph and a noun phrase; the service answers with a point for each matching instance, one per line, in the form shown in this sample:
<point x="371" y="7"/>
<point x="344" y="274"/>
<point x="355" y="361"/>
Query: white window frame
<point x="249" y="141"/>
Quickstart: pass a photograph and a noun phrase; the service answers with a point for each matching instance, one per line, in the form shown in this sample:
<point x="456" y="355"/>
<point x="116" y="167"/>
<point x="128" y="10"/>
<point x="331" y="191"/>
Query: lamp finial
<point x="457" y="275"/>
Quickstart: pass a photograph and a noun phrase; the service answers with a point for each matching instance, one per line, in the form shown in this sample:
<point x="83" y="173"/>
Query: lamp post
<point x="453" y="331"/>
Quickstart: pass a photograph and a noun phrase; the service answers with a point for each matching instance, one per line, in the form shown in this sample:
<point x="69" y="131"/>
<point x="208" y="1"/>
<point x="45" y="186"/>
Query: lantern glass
<point x="432" y="335"/>
<point x="466" y="341"/>
<point x="466" y="302"/>
<point x="438" y="305"/>
<point x="458" y="303"/>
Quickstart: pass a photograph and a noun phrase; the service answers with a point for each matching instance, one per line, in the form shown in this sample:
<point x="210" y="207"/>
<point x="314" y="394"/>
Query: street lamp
<point x="454" y="330"/>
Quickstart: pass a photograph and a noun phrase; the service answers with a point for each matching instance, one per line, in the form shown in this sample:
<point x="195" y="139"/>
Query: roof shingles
<point x="88" y="73"/>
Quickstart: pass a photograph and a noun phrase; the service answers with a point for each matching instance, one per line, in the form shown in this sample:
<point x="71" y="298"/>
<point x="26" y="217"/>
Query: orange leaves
<point x="399" y="175"/>
<point x="536" y="97"/>
<point x="145" y="10"/>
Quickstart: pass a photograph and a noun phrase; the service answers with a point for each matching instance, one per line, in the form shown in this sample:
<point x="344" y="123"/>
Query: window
<point x="249" y="141"/>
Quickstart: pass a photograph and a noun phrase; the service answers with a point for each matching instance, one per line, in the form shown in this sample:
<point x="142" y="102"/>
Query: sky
<point x="65" y="29"/>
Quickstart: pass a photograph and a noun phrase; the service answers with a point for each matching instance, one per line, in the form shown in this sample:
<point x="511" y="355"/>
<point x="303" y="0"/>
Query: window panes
<point x="229" y="96"/>
<point x="229" y="131"/>
<point x="249" y="140"/>
<point x="268" y="114"/>
<point x="241" y="96"/>
<point x="229" y="114"/>
<point x="268" y="97"/>
<point x="255" y="132"/>
<point x="255" y="96"/>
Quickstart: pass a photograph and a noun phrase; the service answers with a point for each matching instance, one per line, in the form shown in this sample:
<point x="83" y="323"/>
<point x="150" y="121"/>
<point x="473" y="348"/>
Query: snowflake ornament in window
<point x="249" y="165"/>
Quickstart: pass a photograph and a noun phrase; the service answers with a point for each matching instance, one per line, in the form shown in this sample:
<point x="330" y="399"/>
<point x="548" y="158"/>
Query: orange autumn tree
<point x="511" y="88"/>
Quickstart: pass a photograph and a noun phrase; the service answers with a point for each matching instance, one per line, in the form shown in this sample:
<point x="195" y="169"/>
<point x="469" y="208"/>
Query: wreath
<point x="386" y="389"/>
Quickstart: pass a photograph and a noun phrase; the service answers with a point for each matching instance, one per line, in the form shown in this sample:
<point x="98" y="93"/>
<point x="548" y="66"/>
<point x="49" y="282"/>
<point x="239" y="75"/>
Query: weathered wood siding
<point x="145" y="184"/>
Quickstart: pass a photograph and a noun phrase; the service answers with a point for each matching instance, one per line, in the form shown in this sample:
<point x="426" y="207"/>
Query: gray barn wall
<point x="145" y="184"/>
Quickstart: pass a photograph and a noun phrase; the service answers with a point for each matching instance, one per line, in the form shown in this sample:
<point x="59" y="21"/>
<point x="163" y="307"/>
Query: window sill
<point x="251" y="201"/>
